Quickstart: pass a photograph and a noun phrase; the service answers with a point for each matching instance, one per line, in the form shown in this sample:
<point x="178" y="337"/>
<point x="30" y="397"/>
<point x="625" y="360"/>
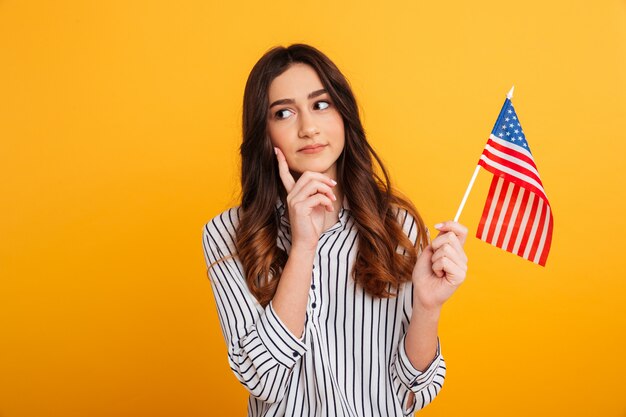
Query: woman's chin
<point x="321" y="168"/>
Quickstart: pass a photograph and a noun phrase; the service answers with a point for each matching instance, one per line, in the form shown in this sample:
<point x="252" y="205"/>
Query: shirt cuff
<point x="284" y="347"/>
<point x="411" y="377"/>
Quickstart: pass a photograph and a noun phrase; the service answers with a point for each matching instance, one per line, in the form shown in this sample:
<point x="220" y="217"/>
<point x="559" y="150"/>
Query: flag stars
<point x="510" y="128"/>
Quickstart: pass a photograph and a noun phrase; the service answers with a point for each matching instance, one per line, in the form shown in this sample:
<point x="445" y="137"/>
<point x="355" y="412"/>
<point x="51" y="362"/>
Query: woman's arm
<point x="261" y="349"/>
<point x="292" y="293"/>
<point x="308" y="200"/>
<point x="418" y="367"/>
<point x="439" y="271"/>
<point x="265" y="343"/>
<point x="421" y="337"/>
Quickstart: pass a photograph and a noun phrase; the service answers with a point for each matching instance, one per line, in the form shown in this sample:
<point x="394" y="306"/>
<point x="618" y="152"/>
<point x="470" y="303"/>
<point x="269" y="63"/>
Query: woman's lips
<point x="312" y="149"/>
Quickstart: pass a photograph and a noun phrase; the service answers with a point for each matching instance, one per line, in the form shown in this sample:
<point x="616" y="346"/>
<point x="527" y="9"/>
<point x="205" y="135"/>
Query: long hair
<point x="380" y="268"/>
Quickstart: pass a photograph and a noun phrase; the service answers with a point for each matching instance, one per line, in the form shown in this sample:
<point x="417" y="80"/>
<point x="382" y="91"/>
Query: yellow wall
<point x="119" y="130"/>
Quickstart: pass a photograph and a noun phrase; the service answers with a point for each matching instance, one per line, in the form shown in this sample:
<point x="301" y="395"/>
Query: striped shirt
<point x="350" y="360"/>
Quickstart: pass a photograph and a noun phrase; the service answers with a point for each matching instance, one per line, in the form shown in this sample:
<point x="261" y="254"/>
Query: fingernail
<point x="438" y="226"/>
<point x="333" y="181"/>
<point x="334" y="197"/>
<point x="276" y="150"/>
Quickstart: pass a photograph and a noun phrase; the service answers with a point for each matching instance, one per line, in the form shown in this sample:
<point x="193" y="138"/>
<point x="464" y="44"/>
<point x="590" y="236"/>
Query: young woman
<point x="326" y="308"/>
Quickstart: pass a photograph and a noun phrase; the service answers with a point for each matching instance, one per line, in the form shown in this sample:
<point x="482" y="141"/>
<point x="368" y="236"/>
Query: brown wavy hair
<point x="379" y="268"/>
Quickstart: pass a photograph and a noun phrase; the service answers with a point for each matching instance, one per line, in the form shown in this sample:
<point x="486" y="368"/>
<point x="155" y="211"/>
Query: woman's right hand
<point x="307" y="200"/>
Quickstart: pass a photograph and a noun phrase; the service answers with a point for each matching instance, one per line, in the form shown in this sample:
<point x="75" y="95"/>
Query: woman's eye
<point x="282" y="114"/>
<point x="323" y="105"/>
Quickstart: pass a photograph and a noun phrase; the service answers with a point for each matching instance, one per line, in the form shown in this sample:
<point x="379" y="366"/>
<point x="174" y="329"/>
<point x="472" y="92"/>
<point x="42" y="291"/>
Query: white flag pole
<point x="471" y="183"/>
<point x="467" y="191"/>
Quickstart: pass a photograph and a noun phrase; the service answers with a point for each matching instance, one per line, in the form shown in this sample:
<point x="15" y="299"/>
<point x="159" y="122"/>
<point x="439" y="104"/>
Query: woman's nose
<point x="308" y="126"/>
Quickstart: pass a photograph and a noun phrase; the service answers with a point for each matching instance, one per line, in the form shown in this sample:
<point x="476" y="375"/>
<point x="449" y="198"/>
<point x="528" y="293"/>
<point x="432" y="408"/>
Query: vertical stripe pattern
<point x="517" y="221"/>
<point x="350" y="360"/>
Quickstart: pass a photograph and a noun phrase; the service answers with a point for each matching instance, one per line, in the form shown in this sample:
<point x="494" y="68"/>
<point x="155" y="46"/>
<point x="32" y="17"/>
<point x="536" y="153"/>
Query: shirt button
<point x="312" y="286"/>
<point x="313" y="305"/>
<point x="295" y="354"/>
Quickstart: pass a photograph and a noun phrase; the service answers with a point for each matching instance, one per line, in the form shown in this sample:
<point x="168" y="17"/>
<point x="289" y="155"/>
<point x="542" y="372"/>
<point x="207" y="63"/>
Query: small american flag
<point x="517" y="215"/>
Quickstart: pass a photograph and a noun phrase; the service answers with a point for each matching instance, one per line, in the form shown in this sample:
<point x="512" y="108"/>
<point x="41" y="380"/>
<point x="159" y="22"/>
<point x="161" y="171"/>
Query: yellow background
<point x="119" y="133"/>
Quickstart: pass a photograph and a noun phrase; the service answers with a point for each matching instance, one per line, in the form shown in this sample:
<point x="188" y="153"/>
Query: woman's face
<point x="303" y="121"/>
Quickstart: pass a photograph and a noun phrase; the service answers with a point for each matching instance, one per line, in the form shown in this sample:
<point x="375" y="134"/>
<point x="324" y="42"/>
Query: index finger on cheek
<point x="283" y="170"/>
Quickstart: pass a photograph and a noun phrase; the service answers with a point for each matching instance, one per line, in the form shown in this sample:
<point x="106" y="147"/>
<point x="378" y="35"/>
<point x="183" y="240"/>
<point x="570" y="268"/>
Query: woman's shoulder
<point x="220" y="231"/>
<point x="228" y="218"/>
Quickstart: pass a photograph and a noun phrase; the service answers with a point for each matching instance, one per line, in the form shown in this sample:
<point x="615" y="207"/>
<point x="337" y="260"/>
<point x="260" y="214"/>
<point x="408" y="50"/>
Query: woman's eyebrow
<point x="291" y="101"/>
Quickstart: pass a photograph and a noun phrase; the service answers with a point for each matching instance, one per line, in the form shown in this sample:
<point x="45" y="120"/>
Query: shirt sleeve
<point x="406" y="379"/>
<point x="424" y="384"/>
<point x="261" y="350"/>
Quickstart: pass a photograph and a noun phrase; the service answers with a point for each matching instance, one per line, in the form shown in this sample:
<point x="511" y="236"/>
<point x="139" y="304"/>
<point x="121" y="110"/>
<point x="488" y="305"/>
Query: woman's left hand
<point x="441" y="267"/>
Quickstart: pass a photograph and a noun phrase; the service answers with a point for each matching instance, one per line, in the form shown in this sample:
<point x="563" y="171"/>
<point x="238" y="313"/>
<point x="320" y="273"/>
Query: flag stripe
<point x="533" y="229"/>
<point x="548" y="240"/>
<point x="511" y="174"/>
<point x="539" y="233"/>
<point x="495" y="193"/>
<point x="512" y="221"/>
<point x="504" y="225"/>
<point x="506" y="159"/>
<point x="518" y="224"/>
<point x="502" y="209"/>
<point x="544" y="235"/>
<point x="481" y="225"/>
<point x="514" y="190"/>
<point x="522" y="226"/>
<point x="532" y="211"/>
<point x="497" y="207"/>
<point x="512" y="149"/>
<point x="514" y="156"/>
